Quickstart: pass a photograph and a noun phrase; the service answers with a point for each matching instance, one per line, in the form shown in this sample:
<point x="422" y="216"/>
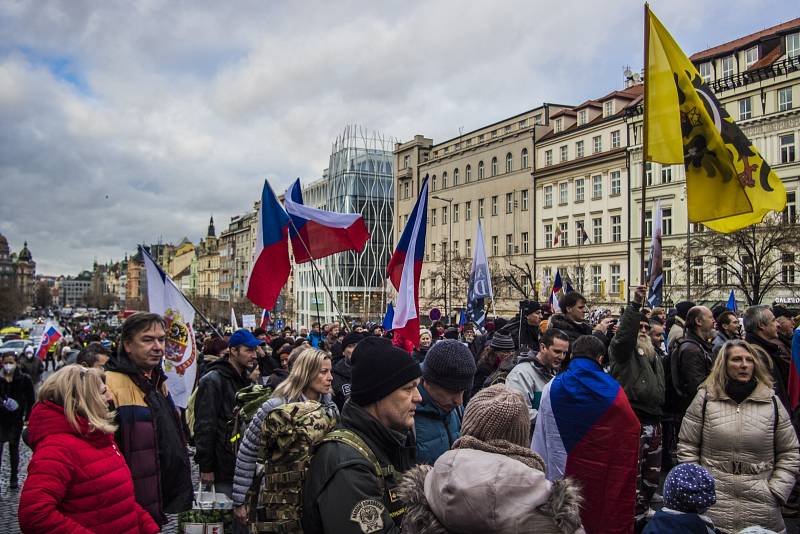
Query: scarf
<point x="501" y="446"/>
<point x="739" y="391"/>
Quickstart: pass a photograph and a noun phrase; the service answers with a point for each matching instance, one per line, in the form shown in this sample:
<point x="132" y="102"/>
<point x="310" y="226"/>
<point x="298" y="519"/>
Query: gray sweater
<point x="247" y="458"/>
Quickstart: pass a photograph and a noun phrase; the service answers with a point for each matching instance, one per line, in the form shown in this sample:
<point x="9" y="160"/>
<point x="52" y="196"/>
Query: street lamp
<point x="449" y="266"/>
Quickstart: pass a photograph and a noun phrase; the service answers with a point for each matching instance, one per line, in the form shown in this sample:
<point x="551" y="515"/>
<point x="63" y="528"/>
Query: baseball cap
<point x="244" y="337"/>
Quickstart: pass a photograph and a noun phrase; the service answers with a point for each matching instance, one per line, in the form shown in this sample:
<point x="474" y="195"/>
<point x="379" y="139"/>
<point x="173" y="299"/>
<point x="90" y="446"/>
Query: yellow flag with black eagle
<point x="729" y="185"/>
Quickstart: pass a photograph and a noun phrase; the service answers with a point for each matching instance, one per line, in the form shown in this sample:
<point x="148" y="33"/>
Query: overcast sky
<point x="129" y="121"/>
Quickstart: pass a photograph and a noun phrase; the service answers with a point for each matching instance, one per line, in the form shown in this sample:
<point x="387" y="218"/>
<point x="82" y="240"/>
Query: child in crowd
<point x="688" y="493"/>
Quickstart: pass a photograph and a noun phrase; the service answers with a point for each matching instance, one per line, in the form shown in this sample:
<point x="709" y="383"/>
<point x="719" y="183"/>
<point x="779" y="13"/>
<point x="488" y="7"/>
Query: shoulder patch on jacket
<point x="369" y="515"/>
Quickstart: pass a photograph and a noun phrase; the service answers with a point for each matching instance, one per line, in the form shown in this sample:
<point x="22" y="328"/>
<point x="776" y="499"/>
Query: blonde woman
<point x="77" y="479"/>
<point x="309" y="379"/>
<point x="737" y="429"/>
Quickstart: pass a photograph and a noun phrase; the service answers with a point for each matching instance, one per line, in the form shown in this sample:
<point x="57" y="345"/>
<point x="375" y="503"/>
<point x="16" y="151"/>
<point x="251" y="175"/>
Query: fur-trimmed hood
<point x="450" y="495"/>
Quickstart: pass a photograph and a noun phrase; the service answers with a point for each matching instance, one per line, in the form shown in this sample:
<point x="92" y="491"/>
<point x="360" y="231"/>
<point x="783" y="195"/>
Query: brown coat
<point x="754" y="463"/>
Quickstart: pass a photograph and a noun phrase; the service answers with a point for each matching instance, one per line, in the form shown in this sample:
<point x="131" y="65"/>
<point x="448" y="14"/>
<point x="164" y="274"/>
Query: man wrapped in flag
<point x="587" y="430"/>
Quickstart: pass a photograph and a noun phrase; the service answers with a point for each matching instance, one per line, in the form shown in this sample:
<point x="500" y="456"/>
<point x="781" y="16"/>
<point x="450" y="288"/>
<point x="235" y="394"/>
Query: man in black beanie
<point x="342" y="370"/>
<point x="353" y="475"/>
<point x="524" y="329"/>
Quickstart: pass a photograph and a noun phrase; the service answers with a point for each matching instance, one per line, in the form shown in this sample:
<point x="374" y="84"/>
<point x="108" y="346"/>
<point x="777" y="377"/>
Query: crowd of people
<point x="551" y="422"/>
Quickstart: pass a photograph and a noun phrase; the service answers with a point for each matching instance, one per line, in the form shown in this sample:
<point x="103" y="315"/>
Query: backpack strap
<point x="351" y="439"/>
<point x="775" y="428"/>
<point x="702" y="426"/>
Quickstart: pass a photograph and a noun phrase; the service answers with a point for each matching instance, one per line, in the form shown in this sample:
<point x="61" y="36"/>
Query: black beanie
<point x="449" y="364"/>
<point x="351" y="339"/>
<point x="682" y="308"/>
<point x="379" y="368"/>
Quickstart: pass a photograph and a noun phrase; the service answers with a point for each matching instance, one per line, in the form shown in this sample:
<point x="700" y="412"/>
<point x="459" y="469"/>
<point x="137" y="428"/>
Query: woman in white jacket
<point x="738" y="430"/>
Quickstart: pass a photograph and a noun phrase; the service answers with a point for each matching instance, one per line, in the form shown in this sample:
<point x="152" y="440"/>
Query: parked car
<point x="15" y="345"/>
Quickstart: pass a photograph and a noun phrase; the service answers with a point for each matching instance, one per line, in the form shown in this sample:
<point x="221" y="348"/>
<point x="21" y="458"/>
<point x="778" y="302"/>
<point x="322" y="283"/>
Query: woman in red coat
<point x="78" y="482"/>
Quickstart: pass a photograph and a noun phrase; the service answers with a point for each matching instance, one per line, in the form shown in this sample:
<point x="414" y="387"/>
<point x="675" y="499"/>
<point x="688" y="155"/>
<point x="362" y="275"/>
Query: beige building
<point x="236" y="248"/>
<point x="208" y="265"/>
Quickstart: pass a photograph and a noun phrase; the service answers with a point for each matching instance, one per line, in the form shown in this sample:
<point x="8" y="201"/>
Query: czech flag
<point x="271" y="266"/>
<point x="405" y="268"/>
<point x="49" y="338"/>
<point x="264" y="319"/>
<point x="554" y="306"/>
<point x="318" y="233"/>
<point x="586" y="430"/>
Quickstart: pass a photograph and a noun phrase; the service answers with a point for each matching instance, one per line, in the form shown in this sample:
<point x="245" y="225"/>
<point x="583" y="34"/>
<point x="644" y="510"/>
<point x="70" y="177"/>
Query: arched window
<point x="455" y="176"/>
<point x="444" y="180"/>
<point x="494" y="166"/>
<point x="524" y="158"/>
<point x="433" y="182"/>
<point x="480" y="170"/>
<point x="468" y="173"/>
<point x="509" y="162"/>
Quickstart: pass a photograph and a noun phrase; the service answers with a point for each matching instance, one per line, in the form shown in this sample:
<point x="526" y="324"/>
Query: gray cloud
<point x="122" y="122"/>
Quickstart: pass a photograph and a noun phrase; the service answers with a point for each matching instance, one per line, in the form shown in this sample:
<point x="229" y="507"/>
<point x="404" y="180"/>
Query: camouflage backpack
<point x="248" y="401"/>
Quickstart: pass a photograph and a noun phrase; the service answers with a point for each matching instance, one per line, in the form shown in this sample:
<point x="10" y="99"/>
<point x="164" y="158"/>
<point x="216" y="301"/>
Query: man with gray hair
<point x="761" y="330"/>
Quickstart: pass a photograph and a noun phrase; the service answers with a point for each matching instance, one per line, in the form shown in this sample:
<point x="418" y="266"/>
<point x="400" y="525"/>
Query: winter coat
<point x="214" y="404"/>
<point x="527" y="336"/>
<point x="315" y="338"/>
<point x="247" y="457"/>
<point x="667" y="521"/>
<point x="419" y="354"/>
<point x="150" y="437"/>
<point x="472" y="491"/>
<point x="21" y="390"/>
<point x="571" y="328"/>
<point x="676" y="332"/>
<point x="754" y="461"/>
<point x="641" y="376"/>
<point x="342" y="494"/>
<point x="340" y="386"/>
<point x="77" y="480"/>
<point x="693" y="362"/>
<point x="33" y="367"/>
<point x="436" y="429"/>
<point x="275" y="379"/>
<point x="779" y="364"/>
<point x="719" y="339"/>
<point x="529" y="377"/>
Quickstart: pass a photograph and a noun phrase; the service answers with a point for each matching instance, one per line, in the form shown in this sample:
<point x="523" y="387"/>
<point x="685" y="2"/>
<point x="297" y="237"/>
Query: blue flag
<point x="388" y="317"/>
<point x="731" y="305"/>
<point x="462" y="318"/>
<point x="480" y="282"/>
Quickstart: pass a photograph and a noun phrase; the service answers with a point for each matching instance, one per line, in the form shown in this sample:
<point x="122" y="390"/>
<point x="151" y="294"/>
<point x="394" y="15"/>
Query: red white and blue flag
<point x="587" y="430"/>
<point x="318" y="233"/>
<point x="405" y="268"/>
<point x="554" y="294"/>
<point x="50" y="337"/>
<point x="264" y="319"/>
<point x="271" y="266"/>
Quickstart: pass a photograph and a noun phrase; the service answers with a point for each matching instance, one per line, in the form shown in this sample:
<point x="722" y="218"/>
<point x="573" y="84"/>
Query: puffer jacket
<point x="469" y="490"/>
<point x="753" y="463"/>
<point x="78" y="481"/>
<point x="436" y="429"/>
<point x="529" y="377"/>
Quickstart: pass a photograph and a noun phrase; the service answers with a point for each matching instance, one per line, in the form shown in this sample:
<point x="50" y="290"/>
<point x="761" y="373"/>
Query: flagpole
<point x="644" y="139"/>
<point x="318" y="273"/>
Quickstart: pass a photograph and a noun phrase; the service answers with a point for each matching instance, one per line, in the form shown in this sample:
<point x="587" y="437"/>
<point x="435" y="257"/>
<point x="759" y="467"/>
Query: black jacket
<point x="419" y="354"/>
<point x="571" y="328"/>
<point x="274" y="380"/>
<point x="693" y="361"/>
<point x="524" y="336"/>
<point x="340" y="387"/>
<point x="216" y="398"/>
<point x="21" y="390"/>
<point x="343" y="488"/>
<point x="779" y="366"/>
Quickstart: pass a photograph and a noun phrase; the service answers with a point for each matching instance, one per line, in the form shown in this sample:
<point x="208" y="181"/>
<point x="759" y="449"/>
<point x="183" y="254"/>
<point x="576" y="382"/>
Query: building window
<point x="648" y="223"/>
<point x="787" y="147"/>
<point x="548" y="236"/>
<point x="564" y="153"/>
<point x="597" y="144"/>
<point x="785" y="99"/>
<point x="480" y="208"/>
<point x="509" y="162"/>
<point x="666" y="174"/>
<point x="563" y="194"/>
<point x="455" y="176"/>
<point x="494" y="133"/>
<point x="579" y="231"/>
<point x="433" y="217"/>
<point x="548" y="196"/>
<point x="564" y="234"/>
<point x="407" y="189"/>
<point x="697" y="271"/>
<point x="509" y="202"/>
<point x="524" y="243"/>
<point x="790" y="211"/>
<point x="615" y="139"/>
<point x="579" y="149"/>
<point x="455" y="213"/>
<point x="727" y="66"/>
<point x="579" y="189"/>
<point x="597" y="186"/>
<point x="597" y="275"/>
<point x="788" y="268"/>
<point x="494" y="246"/>
<point x="468" y="210"/>
<point x="750" y="57"/>
<point x="666" y="221"/>
<point x="582" y="117"/>
<point x="548" y="157"/>
<point x="608" y="108"/>
<point x="557" y="125"/>
<point x="705" y="71"/>
<point x="616" y="183"/>
<point x="444" y="180"/>
<point x="523" y="123"/>
<point x="406" y="161"/>
<point x="509" y="244"/>
<point x="433" y="251"/>
<point x="494" y="166"/>
<point x="456" y="252"/>
<point x="444" y="214"/>
<point x="745" y="111"/>
<point x="524" y="194"/>
<point x="507" y="128"/>
<point x="667" y="268"/>
<point x="597" y="230"/>
<point x="616" y="228"/>
<point x="524" y="158"/>
<point x="494" y="205"/>
<point x="468" y="173"/>
<point x="468" y="247"/>
<point x="722" y="271"/>
<point x="793" y="45"/>
<point x="433" y="182"/>
<point x="615" y="270"/>
<point x="480" y="170"/>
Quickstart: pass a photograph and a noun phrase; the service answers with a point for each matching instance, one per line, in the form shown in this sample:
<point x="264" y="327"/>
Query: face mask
<point x="9" y="367"/>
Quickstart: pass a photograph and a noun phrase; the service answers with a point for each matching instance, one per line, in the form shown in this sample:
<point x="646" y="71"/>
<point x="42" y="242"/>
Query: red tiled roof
<point x="566" y="111"/>
<point x="769" y="59"/>
<point x="742" y="42"/>
<point x="630" y="93"/>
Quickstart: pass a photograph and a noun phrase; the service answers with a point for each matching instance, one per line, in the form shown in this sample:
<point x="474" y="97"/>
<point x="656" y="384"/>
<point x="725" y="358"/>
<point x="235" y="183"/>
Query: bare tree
<point x="10" y="303"/>
<point x="43" y="297"/>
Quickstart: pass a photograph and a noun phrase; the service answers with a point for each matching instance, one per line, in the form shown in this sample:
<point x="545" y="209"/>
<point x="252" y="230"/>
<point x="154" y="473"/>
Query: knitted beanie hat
<point x="497" y="413"/>
<point x="502" y="342"/>
<point x="351" y="339"/>
<point x="682" y="308"/>
<point x="449" y="364"/>
<point x="379" y="368"/>
<point x="689" y="488"/>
